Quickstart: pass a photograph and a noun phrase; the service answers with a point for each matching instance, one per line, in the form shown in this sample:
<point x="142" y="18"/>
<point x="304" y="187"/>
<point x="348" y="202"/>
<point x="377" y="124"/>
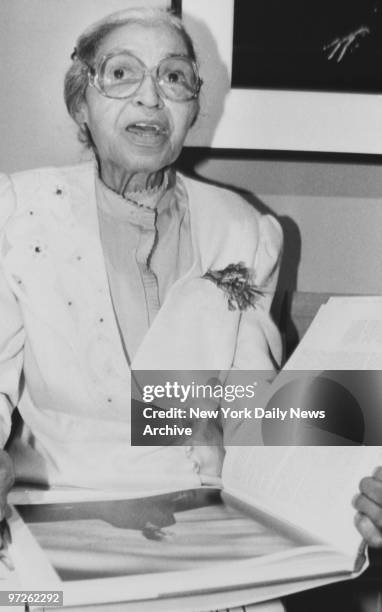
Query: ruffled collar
<point x="144" y="199"/>
<point x="148" y="198"/>
<point x="137" y="206"/>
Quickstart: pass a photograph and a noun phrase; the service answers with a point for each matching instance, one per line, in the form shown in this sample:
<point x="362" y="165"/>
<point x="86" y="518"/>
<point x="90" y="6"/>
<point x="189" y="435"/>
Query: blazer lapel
<point x="101" y="325"/>
<point x="194" y="329"/>
<point x="56" y="265"/>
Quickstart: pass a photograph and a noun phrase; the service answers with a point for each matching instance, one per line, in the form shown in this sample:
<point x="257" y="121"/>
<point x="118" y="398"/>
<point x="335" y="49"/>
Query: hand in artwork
<point x="338" y="48"/>
<point x="368" y="503"/>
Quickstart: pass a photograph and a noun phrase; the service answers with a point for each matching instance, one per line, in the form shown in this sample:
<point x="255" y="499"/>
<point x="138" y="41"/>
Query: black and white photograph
<point x="190" y="199"/>
<point x="324" y="46"/>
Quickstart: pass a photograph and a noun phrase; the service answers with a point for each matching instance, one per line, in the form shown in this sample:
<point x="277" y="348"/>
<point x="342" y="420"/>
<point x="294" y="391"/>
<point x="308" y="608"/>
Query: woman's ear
<point x="81" y="118"/>
<point x="196" y="115"/>
<point x="81" y="115"/>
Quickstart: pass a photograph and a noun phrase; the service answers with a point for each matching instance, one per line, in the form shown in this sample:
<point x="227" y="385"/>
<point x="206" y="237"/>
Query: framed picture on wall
<point x="281" y="76"/>
<point x="335" y="46"/>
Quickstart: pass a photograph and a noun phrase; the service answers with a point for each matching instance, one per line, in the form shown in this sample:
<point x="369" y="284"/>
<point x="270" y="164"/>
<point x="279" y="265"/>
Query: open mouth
<point x="149" y="129"/>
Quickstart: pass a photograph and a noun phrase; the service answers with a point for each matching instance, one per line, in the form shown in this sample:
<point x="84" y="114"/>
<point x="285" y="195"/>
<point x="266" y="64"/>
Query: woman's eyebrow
<point x="169" y="55"/>
<point x="119" y="50"/>
<point x="132" y="52"/>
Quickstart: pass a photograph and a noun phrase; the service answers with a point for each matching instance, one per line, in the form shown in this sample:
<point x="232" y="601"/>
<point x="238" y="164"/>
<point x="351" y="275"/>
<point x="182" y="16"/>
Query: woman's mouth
<point x="153" y="129"/>
<point x="149" y="134"/>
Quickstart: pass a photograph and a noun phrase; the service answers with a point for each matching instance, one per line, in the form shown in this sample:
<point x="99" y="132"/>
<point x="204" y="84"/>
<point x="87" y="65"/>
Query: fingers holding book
<point x="368" y="503"/>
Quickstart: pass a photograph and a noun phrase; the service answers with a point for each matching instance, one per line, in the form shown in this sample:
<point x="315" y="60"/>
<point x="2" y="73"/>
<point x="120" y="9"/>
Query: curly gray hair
<point x="88" y="43"/>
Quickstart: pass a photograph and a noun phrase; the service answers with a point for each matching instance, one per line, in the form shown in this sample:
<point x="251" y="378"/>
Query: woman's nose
<point x="147" y="93"/>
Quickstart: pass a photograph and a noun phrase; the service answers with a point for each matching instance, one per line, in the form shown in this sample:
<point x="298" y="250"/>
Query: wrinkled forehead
<point x="149" y="42"/>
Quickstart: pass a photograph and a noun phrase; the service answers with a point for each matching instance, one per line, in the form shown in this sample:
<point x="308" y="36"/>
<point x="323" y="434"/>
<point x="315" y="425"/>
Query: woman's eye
<point x="118" y="74"/>
<point x="174" y="77"/>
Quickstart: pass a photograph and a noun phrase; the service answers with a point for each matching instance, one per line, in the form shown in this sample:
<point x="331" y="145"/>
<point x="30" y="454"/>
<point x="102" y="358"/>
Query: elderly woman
<point x="115" y="265"/>
<point x="102" y="269"/>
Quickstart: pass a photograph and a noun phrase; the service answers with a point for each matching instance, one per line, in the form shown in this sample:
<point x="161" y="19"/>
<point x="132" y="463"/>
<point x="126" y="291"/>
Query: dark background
<point x="278" y="44"/>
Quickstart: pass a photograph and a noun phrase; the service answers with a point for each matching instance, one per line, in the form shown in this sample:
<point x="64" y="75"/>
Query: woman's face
<point x="122" y="129"/>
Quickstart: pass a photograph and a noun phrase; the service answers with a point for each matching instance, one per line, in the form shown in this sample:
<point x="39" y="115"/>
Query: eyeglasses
<point x="120" y="75"/>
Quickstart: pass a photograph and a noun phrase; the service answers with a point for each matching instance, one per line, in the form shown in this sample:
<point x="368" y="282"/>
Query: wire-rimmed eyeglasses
<point x="120" y="74"/>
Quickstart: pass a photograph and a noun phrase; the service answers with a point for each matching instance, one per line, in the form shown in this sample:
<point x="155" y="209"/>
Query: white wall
<point x="331" y="213"/>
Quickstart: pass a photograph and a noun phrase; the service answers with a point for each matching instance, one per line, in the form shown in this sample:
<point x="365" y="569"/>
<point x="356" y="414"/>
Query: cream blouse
<point x="146" y="240"/>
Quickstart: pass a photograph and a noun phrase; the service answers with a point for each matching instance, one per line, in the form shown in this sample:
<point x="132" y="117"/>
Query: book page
<point x="313" y="486"/>
<point x="159" y="546"/>
<point x="310" y="487"/>
<point x="346" y="334"/>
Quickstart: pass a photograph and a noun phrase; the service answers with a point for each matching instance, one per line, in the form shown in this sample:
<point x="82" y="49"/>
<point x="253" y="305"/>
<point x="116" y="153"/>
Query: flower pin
<point x="236" y="280"/>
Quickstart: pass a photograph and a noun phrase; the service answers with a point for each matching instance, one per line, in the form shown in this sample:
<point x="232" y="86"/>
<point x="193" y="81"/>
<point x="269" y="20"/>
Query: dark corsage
<point x="236" y="280"/>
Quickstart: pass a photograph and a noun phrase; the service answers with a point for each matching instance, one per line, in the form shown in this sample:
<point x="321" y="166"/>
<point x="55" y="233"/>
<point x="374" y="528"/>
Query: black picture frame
<point x="176" y="7"/>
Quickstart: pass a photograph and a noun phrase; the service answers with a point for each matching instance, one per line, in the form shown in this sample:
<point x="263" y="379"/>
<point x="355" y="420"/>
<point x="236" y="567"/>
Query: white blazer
<point x="61" y="357"/>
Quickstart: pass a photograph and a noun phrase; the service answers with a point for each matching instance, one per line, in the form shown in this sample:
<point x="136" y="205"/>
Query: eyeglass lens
<point x="121" y="75"/>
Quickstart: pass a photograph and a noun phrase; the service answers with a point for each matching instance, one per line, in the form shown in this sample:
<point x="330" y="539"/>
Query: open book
<point x="282" y="522"/>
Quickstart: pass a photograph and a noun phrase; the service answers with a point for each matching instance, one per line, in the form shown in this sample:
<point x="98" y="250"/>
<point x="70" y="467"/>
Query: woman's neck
<point x="127" y="182"/>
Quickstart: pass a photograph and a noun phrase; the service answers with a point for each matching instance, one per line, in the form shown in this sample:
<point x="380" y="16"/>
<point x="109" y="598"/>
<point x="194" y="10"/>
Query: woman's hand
<point x="368" y="502"/>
